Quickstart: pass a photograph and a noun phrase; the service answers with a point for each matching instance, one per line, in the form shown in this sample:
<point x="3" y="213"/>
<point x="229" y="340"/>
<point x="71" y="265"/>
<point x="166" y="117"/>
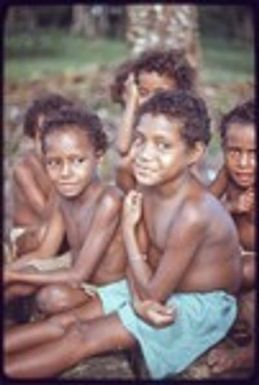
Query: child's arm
<point x="219" y="185"/>
<point x="100" y="235"/>
<point x="244" y="203"/>
<point x="24" y="179"/>
<point x="50" y="244"/>
<point x="124" y="138"/>
<point x="152" y="312"/>
<point x="182" y="244"/>
<point x="124" y="174"/>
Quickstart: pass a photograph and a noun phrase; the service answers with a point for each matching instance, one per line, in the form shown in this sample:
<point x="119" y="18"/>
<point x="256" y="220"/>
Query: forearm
<point x="124" y="138"/>
<point x="138" y="265"/>
<point x="42" y="278"/>
<point x="26" y="258"/>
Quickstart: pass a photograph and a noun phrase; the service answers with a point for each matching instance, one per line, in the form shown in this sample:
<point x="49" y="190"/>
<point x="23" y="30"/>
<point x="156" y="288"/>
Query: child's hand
<point x="155" y="313"/>
<point x="245" y="202"/>
<point x="132" y="209"/>
<point x="131" y="90"/>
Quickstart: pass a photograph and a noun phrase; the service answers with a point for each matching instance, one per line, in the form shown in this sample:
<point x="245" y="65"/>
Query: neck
<point x="171" y="188"/>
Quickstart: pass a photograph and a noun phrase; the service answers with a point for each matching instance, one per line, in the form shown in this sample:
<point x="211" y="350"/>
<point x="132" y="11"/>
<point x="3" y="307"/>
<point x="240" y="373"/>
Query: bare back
<point x="32" y="190"/>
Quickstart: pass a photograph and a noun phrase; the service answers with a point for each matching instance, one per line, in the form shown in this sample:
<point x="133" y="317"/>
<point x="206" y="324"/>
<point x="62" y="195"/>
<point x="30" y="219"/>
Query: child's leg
<point x="54" y="299"/>
<point x="222" y="359"/>
<point x="17" y="290"/>
<point x="249" y="274"/>
<point x="97" y="336"/>
<point x="25" y="336"/>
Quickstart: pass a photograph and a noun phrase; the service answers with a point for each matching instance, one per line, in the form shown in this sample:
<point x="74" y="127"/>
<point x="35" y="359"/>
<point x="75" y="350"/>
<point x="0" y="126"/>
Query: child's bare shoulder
<point x="201" y="207"/>
<point x="112" y="197"/>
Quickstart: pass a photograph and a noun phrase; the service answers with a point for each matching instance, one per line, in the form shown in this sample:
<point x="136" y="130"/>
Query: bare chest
<point x="77" y="223"/>
<point x="159" y="221"/>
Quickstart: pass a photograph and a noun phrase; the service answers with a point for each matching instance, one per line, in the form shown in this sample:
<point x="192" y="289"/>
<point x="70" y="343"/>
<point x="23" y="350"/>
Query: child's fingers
<point x="165" y="310"/>
<point x="160" y="320"/>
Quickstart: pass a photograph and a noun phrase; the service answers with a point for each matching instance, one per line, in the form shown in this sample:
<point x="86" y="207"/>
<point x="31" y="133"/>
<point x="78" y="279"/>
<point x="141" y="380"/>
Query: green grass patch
<point x="226" y="61"/>
<point x="51" y="52"/>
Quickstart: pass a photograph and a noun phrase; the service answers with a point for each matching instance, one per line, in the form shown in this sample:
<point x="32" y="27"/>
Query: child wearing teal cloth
<point x="202" y="320"/>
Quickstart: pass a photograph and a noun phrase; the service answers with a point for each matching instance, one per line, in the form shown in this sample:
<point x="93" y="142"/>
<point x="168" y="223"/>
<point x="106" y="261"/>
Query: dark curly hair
<point x="172" y="63"/>
<point x="44" y="105"/>
<point x="243" y="114"/>
<point x="78" y="117"/>
<point x="183" y="105"/>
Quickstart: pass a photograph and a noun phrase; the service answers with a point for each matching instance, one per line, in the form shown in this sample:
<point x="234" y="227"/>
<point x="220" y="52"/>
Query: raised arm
<point x="182" y="243"/>
<point x="124" y="136"/>
<point x="124" y="174"/>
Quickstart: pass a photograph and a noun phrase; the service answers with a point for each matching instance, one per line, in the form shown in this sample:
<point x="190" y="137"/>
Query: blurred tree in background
<point x="168" y="26"/>
<point x="234" y="21"/>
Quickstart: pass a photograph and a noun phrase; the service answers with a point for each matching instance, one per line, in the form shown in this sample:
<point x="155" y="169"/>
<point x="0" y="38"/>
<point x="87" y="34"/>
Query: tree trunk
<point x="83" y="22"/>
<point x="168" y="26"/>
<point x="21" y="17"/>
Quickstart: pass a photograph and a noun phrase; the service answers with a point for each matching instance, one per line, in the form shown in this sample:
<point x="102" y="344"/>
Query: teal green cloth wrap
<point x="202" y="320"/>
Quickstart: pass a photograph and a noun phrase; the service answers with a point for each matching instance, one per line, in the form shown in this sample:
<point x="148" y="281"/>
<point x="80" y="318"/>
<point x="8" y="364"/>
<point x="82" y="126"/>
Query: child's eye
<point x="79" y="160"/>
<point x="233" y="152"/>
<point x="52" y="162"/>
<point x="163" y="146"/>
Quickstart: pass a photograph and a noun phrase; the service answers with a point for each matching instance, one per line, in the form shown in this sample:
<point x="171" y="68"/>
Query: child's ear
<point x="196" y="153"/>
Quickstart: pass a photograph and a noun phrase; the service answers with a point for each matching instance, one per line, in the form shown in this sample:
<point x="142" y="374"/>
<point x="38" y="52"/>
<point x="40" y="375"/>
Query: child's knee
<point x="52" y="299"/>
<point x="249" y="275"/>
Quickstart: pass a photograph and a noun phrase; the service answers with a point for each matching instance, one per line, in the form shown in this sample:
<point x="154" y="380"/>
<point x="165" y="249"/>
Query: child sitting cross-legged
<point x="86" y="210"/>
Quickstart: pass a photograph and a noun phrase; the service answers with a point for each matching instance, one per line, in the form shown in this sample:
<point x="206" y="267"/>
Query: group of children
<point x="158" y="259"/>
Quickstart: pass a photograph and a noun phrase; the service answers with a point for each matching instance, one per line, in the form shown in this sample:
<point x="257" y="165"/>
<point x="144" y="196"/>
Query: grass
<point x="54" y="52"/>
<point x="50" y="52"/>
<point x="227" y="61"/>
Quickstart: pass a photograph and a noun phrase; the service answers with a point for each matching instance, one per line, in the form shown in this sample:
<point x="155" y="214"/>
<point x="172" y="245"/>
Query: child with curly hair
<point x="33" y="192"/>
<point x="235" y="185"/>
<point x="182" y="252"/>
<point x="86" y="210"/>
<point x="136" y="81"/>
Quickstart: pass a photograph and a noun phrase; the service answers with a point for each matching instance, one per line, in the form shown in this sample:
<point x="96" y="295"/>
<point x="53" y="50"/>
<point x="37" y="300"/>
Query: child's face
<point x="70" y="161"/>
<point x="239" y="150"/>
<point x="151" y="82"/>
<point x="161" y="153"/>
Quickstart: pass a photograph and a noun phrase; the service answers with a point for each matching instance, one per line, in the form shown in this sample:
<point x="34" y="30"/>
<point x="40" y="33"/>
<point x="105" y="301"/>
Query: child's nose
<point x="147" y="152"/>
<point x="244" y="159"/>
<point x="65" y="170"/>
